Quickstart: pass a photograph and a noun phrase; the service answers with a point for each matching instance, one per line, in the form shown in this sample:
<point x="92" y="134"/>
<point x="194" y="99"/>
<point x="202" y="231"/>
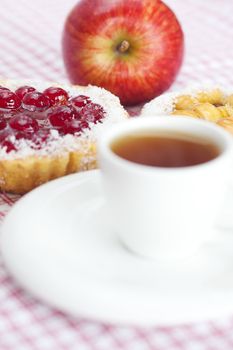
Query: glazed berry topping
<point x="4" y="88"/>
<point x="2" y="124"/>
<point x="9" y="100"/>
<point x="35" y="101"/>
<point x="23" y="90"/>
<point x="9" y="145"/>
<point x="57" y="96"/>
<point x="60" y="115"/>
<point x="74" y="126"/>
<point x="31" y="115"/>
<point x="80" y="101"/>
<point x="24" y="123"/>
<point x="22" y="135"/>
<point x="92" y="113"/>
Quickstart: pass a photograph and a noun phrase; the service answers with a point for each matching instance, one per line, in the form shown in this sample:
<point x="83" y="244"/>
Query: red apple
<point x="132" y="48"/>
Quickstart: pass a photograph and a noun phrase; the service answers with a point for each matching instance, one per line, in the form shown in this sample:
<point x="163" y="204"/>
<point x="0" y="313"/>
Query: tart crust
<point x="21" y="172"/>
<point x="22" y="175"/>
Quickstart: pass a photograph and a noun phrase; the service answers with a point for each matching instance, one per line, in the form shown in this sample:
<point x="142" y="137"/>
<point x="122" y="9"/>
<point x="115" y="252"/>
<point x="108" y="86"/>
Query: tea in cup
<point x="164" y="179"/>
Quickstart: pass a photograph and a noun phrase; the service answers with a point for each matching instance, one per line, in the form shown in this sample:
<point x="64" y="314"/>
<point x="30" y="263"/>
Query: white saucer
<point x="58" y="244"/>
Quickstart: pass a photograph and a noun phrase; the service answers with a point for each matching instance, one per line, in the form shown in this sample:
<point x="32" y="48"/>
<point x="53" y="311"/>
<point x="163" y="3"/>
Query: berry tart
<point x="212" y="104"/>
<point x="50" y="130"/>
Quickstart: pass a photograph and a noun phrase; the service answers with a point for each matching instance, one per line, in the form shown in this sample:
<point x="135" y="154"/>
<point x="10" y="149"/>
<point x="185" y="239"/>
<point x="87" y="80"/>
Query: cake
<point x="50" y="130"/>
<point x="211" y="104"/>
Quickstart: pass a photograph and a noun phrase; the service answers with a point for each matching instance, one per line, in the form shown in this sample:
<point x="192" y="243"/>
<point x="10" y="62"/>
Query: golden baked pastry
<point x="213" y="105"/>
<point x="50" y="130"/>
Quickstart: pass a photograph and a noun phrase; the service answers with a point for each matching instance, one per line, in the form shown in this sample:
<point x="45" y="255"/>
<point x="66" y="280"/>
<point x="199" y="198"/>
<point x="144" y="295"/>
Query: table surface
<point x="30" y="35"/>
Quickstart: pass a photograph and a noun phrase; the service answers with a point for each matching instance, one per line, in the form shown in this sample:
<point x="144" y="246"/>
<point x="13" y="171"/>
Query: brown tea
<point x="165" y="150"/>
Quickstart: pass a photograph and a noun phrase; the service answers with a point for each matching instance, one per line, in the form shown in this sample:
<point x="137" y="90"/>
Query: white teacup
<point x="158" y="212"/>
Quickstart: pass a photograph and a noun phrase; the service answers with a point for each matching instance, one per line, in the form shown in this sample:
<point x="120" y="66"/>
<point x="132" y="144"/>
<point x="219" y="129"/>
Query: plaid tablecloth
<point x="30" y="33"/>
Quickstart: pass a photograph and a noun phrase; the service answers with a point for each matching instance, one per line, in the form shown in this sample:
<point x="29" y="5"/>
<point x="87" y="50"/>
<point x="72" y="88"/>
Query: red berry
<point x="2" y="124"/>
<point x="80" y="101"/>
<point x="9" y="100"/>
<point x="23" y="90"/>
<point x="24" y="123"/>
<point x="57" y="96"/>
<point x="24" y="135"/>
<point x="35" y="101"/>
<point x="60" y="115"/>
<point x="74" y="126"/>
<point x="92" y="113"/>
<point x="8" y="145"/>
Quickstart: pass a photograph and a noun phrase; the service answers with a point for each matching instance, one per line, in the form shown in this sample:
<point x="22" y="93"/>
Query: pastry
<point x="211" y="104"/>
<point x="50" y="130"/>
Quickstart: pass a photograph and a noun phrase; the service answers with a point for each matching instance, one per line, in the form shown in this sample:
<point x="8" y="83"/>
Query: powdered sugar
<point x="57" y="144"/>
<point x="161" y="105"/>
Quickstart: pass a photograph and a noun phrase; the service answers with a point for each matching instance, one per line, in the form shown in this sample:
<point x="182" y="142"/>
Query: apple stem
<point x="123" y="46"/>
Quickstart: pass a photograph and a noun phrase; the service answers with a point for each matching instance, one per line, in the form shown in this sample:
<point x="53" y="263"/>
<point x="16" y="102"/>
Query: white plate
<point x="58" y="244"/>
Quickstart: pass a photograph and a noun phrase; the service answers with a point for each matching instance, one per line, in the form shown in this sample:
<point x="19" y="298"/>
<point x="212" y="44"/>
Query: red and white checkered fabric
<point x="30" y="35"/>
